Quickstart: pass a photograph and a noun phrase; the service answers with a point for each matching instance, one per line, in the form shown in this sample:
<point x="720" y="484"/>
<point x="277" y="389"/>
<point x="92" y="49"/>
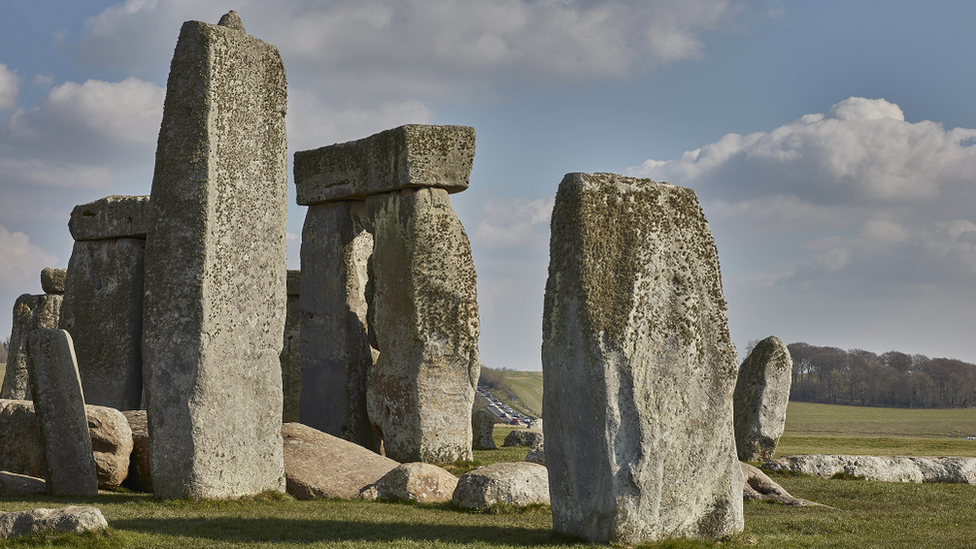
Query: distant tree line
<point x="893" y="379"/>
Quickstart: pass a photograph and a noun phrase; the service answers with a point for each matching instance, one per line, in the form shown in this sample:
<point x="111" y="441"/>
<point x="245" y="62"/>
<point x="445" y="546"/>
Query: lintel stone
<point x="115" y="216"/>
<point x="414" y="155"/>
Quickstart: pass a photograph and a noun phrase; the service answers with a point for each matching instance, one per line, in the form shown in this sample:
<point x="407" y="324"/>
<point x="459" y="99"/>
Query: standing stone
<point x="290" y="357"/>
<point x="335" y="352"/>
<point x="762" y="392"/>
<point x="102" y="307"/>
<point x="423" y="383"/>
<point x="638" y="366"/>
<point x="69" y="465"/>
<point x="52" y="280"/>
<point x="483" y="426"/>
<point x="214" y="309"/>
<point x="31" y="312"/>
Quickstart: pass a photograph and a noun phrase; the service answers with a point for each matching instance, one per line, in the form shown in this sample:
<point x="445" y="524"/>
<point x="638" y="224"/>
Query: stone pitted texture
<point x="523" y="437"/>
<point x="420" y="482"/>
<point x="290" y="357"/>
<point x="406" y="157"/>
<point x="762" y="392"/>
<point x="111" y="439"/>
<point x="20" y="439"/>
<point x="52" y="280"/>
<point x="535" y="424"/>
<point x="761" y="487"/>
<point x="215" y="269"/>
<point x="31" y="312"/>
<point x="102" y="310"/>
<point x="422" y="386"/>
<point x="335" y="249"/>
<point x="520" y="483"/>
<point x="13" y="484"/>
<point x="321" y="465"/>
<point x="482" y="427"/>
<point x="71" y="519"/>
<point x="638" y="366"/>
<point x="69" y="466"/>
<point x="958" y="470"/>
<point x="139" y="478"/>
<point x="538" y="453"/>
<point x="115" y="216"/>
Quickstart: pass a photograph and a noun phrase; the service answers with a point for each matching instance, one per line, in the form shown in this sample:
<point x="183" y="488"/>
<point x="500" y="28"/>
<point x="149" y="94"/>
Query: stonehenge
<point x="638" y="366"/>
<point x="762" y="392"/>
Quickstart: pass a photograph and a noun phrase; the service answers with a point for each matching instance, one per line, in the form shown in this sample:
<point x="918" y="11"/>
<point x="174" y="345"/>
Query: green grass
<point x="809" y="419"/>
<point x="527" y="387"/>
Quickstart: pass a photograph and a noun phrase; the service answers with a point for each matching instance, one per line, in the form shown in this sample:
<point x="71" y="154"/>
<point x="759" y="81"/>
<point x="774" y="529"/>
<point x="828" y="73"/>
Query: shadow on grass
<point x="308" y="531"/>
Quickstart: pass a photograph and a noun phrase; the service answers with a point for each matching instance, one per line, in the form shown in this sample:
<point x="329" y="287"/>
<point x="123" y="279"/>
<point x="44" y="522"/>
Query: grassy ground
<point x="808" y="419"/>
<point x="527" y="386"/>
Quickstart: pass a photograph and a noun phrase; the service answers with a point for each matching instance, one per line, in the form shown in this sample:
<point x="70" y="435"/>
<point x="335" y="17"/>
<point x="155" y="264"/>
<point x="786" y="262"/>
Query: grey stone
<point x="519" y="483"/>
<point x="332" y="303"/>
<point x="758" y="486"/>
<point x="523" y="437"/>
<point x="419" y="482"/>
<point x="20" y="439"/>
<point x="31" y="312"/>
<point x="115" y="216"/>
<point x="636" y="352"/>
<point x="69" y="465"/>
<point x="535" y="424"/>
<point x="426" y="322"/>
<point x="290" y="357"/>
<point x="139" y="478"/>
<point x="72" y="519"/>
<point x="232" y="20"/>
<point x="214" y="308"/>
<point x="482" y="427"/>
<point x="762" y="392"/>
<point x="52" y="280"/>
<point x="538" y="453"/>
<point x="102" y="310"/>
<point x="410" y="156"/>
<point x="13" y="484"/>
<point x="957" y="470"/>
<point x="111" y="439"/>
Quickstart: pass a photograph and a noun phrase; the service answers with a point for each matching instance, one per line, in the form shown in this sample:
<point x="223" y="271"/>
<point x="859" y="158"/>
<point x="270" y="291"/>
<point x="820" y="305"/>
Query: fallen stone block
<point x="956" y="470"/>
<point x="538" y="453"/>
<point x="518" y="484"/>
<point x="13" y="484"/>
<point x="139" y="478"/>
<point x="72" y="519"/>
<point x="758" y="486"/>
<point x="523" y="437"/>
<point x="419" y="482"/>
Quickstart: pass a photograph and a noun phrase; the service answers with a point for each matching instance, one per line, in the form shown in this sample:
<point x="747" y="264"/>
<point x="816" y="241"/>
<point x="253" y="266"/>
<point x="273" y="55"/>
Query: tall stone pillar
<point x="291" y="362"/>
<point x="214" y="309"/>
<point x="638" y="366"/>
<point x="31" y="312"/>
<point x="102" y="307"/>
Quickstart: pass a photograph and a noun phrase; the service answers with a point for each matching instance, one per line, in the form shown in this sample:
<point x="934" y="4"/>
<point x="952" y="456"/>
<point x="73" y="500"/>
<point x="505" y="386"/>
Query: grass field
<point x="527" y="386"/>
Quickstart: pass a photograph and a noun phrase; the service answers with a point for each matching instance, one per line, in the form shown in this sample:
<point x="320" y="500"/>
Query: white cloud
<point x="22" y="262"/>
<point x="519" y="223"/>
<point x="9" y="87"/>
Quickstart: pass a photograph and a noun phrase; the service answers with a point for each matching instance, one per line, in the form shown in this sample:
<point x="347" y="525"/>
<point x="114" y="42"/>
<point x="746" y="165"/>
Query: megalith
<point x="69" y="465"/>
<point x="102" y="307"/>
<point x="214" y="307"/>
<point x="388" y="279"/>
<point x="762" y="392"/>
<point x="290" y="357"/>
<point x="31" y="312"/>
<point x="638" y="366"/>
<point x="482" y="429"/>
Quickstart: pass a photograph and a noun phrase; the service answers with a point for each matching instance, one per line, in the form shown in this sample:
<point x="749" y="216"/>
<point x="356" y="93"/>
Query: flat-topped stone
<point x="115" y="216"/>
<point x="414" y="155"/>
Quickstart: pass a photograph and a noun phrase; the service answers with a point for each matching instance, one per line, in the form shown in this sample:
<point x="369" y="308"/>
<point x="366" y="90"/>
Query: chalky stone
<point x="115" y="216"/>
<point x="638" y="366"/>
<point x="31" y="312"/>
<point x="69" y="465"/>
<point x="762" y="392"/>
<point x="214" y="309"/>
<point x="410" y="156"/>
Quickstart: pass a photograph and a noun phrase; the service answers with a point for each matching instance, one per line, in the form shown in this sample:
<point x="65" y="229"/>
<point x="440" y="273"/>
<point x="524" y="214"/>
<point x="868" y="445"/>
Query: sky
<point x="831" y="143"/>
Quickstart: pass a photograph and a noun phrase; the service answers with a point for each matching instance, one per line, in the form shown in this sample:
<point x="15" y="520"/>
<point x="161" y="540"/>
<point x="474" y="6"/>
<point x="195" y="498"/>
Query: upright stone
<point x="638" y="366"/>
<point x="52" y="280"/>
<point x="291" y="362"/>
<point x="214" y="309"/>
<point x="31" y="312"/>
<point x="426" y="326"/>
<point x="335" y="352"/>
<point x="102" y="307"/>
<point x="482" y="428"/>
<point x="69" y="465"/>
<point x="762" y="392"/>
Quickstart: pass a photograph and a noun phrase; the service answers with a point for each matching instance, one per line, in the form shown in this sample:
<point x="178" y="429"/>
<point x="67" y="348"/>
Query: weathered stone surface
<point x="482" y="427"/>
<point x="509" y="483"/>
<point x="332" y="303"/>
<point x="538" y="453"/>
<point x="115" y="216"/>
<point x="523" y="437"/>
<point x="102" y="310"/>
<point x="13" y="484"/>
<point x="139" y="478"/>
<point x="21" y="450"/>
<point x="426" y="325"/>
<point x="31" y="312"/>
<point x="111" y="439"/>
<point x="67" y="519"/>
<point x="410" y="156"/>
<point x="321" y="465"/>
<point x="636" y="352"/>
<point x="420" y="482"/>
<point x="69" y="465"/>
<point x="214" y="308"/>
<point x="290" y="357"/>
<point x="759" y="486"/>
<point x="762" y="392"/>
<point x="52" y="280"/>
<point x="535" y="424"/>
<point x="958" y="470"/>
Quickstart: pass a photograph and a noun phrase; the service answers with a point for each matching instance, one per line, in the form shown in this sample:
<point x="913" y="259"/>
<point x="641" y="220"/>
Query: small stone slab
<point x="954" y="470"/>
<point x="420" y="482"/>
<point x="52" y="280"/>
<point x="69" y="466"/>
<point x="519" y="483"/>
<point x="13" y="484"/>
<point x="523" y="437"/>
<point x="115" y="216"/>
<point x="72" y="519"/>
<point x="410" y="156"/>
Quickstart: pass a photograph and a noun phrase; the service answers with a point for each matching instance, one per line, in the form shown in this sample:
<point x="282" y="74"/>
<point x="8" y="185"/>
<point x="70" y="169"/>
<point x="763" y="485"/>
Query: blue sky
<point x="830" y="143"/>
